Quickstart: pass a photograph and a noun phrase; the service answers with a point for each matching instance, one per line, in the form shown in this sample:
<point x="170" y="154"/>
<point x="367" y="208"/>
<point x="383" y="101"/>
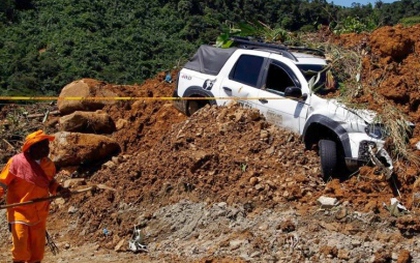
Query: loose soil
<point x="226" y="186"/>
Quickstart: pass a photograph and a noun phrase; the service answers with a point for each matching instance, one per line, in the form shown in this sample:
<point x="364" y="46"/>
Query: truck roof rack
<point x="307" y="50"/>
<point x="250" y="43"/>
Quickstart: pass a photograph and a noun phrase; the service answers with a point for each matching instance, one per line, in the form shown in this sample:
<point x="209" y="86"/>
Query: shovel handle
<point x="42" y="199"/>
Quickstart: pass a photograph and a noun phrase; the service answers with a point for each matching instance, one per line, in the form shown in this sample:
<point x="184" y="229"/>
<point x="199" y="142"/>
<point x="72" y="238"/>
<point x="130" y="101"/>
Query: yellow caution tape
<point x="136" y="98"/>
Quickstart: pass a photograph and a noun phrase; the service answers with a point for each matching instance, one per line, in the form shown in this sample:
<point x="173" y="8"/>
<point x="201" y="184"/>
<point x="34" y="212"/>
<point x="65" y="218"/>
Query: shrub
<point x="409" y="21"/>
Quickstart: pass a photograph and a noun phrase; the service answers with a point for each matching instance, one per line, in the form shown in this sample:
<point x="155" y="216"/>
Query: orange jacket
<point x="19" y="190"/>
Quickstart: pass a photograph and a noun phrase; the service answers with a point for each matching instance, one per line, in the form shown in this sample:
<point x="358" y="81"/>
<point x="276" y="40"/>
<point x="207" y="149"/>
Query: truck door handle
<point x="227" y="89"/>
<point x="263" y="100"/>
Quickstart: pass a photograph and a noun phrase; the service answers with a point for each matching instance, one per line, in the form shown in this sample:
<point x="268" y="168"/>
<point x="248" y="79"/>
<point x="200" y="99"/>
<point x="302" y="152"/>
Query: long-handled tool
<point x="52" y="197"/>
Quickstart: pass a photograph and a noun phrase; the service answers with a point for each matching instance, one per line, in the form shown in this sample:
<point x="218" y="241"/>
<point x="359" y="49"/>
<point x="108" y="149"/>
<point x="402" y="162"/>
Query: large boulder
<point x="84" y="95"/>
<point x="87" y="122"/>
<point x="74" y="149"/>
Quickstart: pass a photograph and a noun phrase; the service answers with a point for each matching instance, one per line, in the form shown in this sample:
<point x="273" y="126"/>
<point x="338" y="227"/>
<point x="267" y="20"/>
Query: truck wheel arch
<point x="319" y="127"/>
<point x="192" y="106"/>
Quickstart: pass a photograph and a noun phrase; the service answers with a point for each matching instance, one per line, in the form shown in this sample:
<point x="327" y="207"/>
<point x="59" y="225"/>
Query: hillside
<point x="226" y="186"/>
<point x="47" y="44"/>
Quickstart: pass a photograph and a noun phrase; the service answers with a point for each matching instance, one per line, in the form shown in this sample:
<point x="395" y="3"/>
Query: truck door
<point x="278" y="109"/>
<point x="244" y="80"/>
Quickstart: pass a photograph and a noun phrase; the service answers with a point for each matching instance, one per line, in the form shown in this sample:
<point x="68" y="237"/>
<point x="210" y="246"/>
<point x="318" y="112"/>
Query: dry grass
<point x="15" y="125"/>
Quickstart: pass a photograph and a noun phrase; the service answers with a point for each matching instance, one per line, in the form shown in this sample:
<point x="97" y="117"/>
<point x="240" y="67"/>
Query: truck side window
<point x="247" y="70"/>
<point x="277" y="80"/>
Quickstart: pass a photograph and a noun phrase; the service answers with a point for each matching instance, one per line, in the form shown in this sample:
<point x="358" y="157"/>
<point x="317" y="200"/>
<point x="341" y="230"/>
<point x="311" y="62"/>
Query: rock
<point x="253" y="180"/>
<point x="259" y="187"/>
<point x="287" y="226"/>
<point x="72" y="210"/>
<point x="341" y="213"/>
<point x="74" y="182"/>
<point x="343" y="254"/>
<point x="72" y="149"/>
<point x="327" y="202"/>
<point x="270" y="151"/>
<point x="87" y="122"/>
<point x="109" y="165"/>
<point x="356" y="243"/>
<point x="119" y="246"/>
<point x="83" y="88"/>
<point x="263" y="227"/>
<point x="255" y="254"/>
<point x="121" y="124"/>
<point x="235" y="244"/>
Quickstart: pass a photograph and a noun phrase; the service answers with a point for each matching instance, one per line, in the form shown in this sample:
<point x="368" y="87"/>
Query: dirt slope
<point x="226" y="186"/>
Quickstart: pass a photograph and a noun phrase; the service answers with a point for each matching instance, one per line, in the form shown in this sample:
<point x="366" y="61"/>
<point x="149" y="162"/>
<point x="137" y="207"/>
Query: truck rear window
<point x="247" y="70"/>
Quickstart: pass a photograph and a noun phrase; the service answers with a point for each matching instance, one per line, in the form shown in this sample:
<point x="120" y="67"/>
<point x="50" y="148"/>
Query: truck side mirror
<point x="295" y="92"/>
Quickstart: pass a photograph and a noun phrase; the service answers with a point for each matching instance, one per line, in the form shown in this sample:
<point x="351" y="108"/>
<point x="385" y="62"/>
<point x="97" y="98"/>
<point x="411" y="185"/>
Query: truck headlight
<point x="376" y="131"/>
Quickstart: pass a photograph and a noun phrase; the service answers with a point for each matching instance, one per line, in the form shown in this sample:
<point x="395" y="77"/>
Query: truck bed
<point x="209" y="59"/>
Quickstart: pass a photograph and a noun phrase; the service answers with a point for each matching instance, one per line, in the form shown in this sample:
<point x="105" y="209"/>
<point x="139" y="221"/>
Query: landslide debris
<point x="226" y="186"/>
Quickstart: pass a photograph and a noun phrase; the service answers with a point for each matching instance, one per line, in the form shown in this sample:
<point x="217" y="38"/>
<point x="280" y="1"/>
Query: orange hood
<point x="35" y="137"/>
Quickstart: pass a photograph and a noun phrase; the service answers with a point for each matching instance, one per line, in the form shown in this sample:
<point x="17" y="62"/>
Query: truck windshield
<point x="324" y="85"/>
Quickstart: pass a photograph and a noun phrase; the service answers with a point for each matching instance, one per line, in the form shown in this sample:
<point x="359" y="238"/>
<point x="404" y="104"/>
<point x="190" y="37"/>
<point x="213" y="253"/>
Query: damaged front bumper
<point x="382" y="160"/>
<point x="370" y="152"/>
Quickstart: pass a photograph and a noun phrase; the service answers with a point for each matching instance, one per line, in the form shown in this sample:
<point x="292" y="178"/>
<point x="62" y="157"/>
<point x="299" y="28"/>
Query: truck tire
<point x="192" y="107"/>
<point x="328" y="155"/>
<point x="178" y="103"/>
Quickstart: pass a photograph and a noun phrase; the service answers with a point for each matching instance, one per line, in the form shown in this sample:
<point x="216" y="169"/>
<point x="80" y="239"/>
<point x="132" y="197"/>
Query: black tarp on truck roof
<point x="209" y="59"/>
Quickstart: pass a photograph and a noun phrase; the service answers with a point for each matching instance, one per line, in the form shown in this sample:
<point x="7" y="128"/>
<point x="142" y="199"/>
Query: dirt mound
<point x="390" y="67"/>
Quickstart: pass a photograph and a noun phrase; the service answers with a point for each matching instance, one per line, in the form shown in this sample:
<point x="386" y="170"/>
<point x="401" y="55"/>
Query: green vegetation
<point x="409" y="21"/>
<point x="354" y="25"/>
<point x="46" y="44"/>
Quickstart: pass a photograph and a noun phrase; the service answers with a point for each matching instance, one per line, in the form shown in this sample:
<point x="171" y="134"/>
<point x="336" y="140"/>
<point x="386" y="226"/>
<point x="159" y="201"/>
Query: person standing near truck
<point x="27" y="176"/>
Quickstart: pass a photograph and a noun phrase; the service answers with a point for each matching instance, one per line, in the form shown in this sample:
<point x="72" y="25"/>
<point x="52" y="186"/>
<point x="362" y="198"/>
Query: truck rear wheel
<point x="195" y="105"/>
<point x="328" y="155"/>
<point x="192" y="107"/>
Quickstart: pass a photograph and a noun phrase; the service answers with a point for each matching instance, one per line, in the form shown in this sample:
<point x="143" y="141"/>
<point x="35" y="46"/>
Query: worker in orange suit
<point x="27" y="176"/>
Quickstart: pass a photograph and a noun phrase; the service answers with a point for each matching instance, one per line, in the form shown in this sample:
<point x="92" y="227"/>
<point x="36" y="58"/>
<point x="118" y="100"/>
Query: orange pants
<point x="28" y="242"/>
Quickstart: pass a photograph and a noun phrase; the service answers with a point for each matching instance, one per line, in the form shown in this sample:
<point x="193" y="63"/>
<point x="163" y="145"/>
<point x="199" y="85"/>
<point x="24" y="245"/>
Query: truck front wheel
<point x="328" y="155"/>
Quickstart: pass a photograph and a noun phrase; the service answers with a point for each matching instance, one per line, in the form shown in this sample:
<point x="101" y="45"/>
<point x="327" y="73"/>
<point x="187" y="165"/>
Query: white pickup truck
<point x="285" y="86"/>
